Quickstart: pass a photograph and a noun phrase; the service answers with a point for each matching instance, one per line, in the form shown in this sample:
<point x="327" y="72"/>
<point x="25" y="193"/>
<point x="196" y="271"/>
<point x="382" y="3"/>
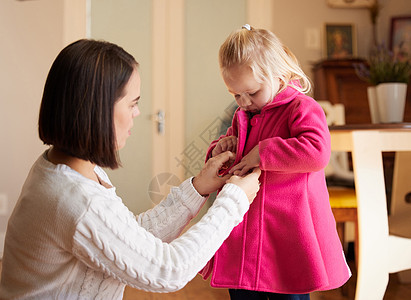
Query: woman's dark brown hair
<point x="76" y="112"/>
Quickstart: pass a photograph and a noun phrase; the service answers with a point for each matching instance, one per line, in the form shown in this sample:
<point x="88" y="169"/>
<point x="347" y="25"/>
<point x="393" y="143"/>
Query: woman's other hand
<point x="249" y="183"/>
<point x="208" y="181"/>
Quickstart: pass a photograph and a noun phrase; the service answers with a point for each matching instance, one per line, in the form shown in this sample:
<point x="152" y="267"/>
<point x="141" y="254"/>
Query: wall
<point x="31" y="35"/>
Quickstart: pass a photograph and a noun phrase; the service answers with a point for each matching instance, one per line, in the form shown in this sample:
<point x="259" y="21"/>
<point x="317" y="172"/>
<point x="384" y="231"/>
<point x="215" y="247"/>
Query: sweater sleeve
<point x="109" y="239"/>
<point x="168" y="219"/>
<point x="308" y="147"/>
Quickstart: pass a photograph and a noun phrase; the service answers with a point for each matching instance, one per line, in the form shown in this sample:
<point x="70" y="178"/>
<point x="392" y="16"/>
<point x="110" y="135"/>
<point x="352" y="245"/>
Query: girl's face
<point x="249" y="94"/>
<point x="126" y="109"/>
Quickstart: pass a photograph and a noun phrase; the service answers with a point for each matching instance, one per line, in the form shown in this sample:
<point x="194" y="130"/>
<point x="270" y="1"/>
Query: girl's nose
<point x="244" y="101"/>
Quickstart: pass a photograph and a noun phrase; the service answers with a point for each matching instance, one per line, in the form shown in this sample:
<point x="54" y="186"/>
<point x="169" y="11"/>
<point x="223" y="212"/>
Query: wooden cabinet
<point x="337" y="82"/>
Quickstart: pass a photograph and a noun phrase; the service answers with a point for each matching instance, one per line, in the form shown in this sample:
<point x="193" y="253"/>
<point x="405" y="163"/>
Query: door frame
<point x="76" y="20"/>
<point x="168" y="84"/>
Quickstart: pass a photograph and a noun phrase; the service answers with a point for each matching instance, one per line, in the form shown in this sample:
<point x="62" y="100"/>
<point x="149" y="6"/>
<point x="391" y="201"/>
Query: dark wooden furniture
<point x="337" y="82"/>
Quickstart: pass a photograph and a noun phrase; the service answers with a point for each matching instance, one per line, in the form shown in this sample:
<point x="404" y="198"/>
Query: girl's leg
<point x="273" y="296"/>
<point x="255" y="295"/>
<point x="246" y="295"/>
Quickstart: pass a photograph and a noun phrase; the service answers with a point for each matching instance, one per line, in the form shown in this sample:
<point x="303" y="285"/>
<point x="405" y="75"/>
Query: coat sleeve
<point x="307" y="149"/>
<point x="231" y="131"/>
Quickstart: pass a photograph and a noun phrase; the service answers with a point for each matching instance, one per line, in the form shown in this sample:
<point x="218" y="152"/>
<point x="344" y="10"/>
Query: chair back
<point x="339" y="164"/>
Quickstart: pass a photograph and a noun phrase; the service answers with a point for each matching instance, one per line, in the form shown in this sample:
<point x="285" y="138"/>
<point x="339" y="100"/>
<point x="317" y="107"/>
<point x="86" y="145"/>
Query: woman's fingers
<point x="219" y="160"/>
<point x="208" y="180"/>
<point x="249" y="183"/>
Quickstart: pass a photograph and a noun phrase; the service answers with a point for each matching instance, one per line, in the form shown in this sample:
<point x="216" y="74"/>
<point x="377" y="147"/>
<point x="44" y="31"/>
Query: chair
<point x="380" y="253"/>
<point x="400" y="208"/>
<point x="340" y="181"/>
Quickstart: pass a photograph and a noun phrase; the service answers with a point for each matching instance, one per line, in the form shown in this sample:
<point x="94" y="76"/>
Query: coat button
<point x="254" y="121"/>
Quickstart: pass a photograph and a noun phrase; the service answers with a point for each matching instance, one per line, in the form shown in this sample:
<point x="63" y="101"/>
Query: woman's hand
<point x="249" y="183"/>
<point x="247" y="163"/>
<point x="208" y="181"/>
<point x="228" y="143"/>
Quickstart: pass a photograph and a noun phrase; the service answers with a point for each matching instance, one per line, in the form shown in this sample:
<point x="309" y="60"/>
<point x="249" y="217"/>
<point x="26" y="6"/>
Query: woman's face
<point x="249" y="94"/>
<point x="126" y="109"/>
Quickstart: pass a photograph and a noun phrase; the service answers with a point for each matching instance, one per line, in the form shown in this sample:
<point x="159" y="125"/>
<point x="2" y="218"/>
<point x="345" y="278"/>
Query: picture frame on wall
<point x="340" y="41"/>
<point x="400" y="37"/>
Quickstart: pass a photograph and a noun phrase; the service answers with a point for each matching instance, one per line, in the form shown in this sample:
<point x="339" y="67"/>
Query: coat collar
<point x="285" y="96"/>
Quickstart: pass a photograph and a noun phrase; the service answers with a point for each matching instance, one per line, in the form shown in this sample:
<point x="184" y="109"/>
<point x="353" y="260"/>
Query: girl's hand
<point x="228" y="143"/>
<point x="208" y="181"/>
<point x="250" y="183"/>
<point x="249" y="162"/>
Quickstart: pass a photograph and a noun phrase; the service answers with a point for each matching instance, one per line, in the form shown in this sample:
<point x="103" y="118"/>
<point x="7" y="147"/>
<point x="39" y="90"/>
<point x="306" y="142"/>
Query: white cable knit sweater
<point x="71" y="238"/>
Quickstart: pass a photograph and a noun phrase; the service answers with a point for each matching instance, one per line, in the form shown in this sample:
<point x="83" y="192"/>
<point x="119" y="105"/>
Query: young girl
<point x="287" y="243"/>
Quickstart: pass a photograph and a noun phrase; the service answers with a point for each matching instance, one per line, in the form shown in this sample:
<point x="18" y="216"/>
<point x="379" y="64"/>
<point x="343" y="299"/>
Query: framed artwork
<point x="340" y="41"/>
<point x="400" y="37"/>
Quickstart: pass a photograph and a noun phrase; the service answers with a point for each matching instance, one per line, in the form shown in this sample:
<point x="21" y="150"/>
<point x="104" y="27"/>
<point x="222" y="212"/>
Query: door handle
<point x="159" y="118"/>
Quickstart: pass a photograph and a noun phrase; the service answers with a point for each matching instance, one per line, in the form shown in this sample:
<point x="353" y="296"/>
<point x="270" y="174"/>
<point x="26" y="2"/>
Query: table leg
<point x="373" y="274"/>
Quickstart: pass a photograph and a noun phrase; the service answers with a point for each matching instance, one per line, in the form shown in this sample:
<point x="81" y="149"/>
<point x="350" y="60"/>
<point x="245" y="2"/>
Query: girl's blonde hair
<point x="266" y="55"/>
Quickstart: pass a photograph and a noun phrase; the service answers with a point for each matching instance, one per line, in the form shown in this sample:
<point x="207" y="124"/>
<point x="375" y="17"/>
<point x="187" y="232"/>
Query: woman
<point x="70" y="236"/>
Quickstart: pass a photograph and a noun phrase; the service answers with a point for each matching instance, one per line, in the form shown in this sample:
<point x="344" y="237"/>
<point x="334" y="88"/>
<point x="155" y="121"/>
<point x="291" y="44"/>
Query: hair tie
<point x="246" y="26"/>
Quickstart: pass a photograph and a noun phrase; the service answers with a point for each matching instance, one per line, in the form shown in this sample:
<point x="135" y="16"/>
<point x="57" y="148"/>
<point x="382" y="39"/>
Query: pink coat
<point x="288" y="241"/>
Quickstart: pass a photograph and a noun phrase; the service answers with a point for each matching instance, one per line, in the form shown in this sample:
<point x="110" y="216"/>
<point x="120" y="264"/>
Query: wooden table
<point x="379" y="252"/>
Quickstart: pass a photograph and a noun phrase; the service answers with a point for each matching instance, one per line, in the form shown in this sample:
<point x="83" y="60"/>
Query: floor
<point x="200" y="290"/>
